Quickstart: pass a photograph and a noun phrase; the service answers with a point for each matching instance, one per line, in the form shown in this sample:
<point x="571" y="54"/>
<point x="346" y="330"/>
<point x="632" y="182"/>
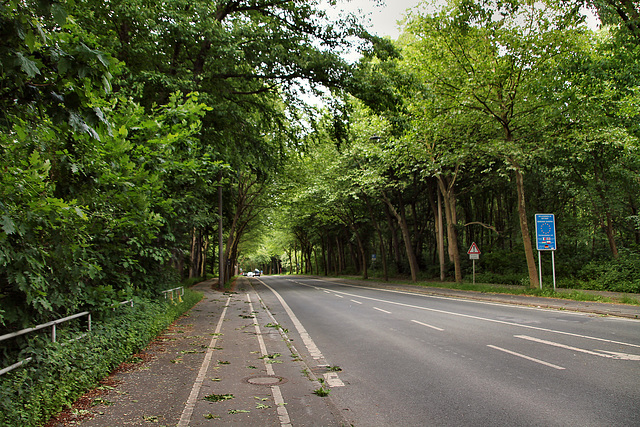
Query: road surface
<point x="408" y="359"/>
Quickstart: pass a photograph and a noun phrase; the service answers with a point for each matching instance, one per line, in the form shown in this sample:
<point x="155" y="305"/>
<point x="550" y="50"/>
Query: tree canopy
<point x="122" y="123"/>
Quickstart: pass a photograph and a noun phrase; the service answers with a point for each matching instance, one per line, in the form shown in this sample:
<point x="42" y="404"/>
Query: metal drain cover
<point x="268" y="380"/>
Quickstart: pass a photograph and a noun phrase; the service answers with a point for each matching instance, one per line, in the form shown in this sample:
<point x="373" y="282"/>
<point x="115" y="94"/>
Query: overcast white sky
<point x="383" y="19"/>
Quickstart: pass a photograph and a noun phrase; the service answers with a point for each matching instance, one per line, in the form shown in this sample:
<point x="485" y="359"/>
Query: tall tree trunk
<point x="448" y="194"/>
<point x="315" y="256"/>
<point x="340" y="247"/>
<point x="325" y="257"/>
<point x="221" y="260"/>
<point x="608" y="230"/>
<point x="439" y="228"/>
<point x="406" y="235"/>
<point x="376" y="225"/>
<point x="203" y="263"/>
<point x="524" y="229"/>
<point x="395" y="246"/>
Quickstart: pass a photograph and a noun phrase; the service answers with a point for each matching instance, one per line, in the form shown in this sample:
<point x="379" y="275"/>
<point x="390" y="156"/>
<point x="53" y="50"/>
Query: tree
<point x="489" y="59"/>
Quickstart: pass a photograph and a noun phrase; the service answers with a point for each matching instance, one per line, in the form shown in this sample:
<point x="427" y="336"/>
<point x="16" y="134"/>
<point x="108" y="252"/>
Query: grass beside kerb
<point x="568" y="294"/>
<point x="487" y="288"/>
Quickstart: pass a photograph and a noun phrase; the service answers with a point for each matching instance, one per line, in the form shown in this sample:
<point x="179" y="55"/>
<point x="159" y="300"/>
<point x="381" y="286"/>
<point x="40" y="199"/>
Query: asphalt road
<point x="417" y="360"/>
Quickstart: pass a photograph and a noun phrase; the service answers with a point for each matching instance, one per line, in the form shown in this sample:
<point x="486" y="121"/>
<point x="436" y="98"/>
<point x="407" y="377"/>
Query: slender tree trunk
<point x="440" y="239"/>
<point x="340" y="248"/>
<point x="608" y="230"/>
<point x="205" y="247"/>
<point x="436" y="206"/>
<point x="448" y="194"/>
<point x="524" y="228"/>
<point x="221" y="260"/>
<point x="634" y="212"/>
<point x="325" y="258"/>
<point x="406" y="235"/>
<point x="376" y="225"/>
<point x="315" y="256"/>
<point x="395" y="246"/>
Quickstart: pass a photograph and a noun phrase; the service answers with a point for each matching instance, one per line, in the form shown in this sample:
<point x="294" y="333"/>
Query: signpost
<point x="474" y="254"/>
<point x="546" y="241"/>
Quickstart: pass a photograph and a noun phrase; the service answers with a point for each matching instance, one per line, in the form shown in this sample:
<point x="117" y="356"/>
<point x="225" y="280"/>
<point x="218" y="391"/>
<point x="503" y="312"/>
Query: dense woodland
<point x="129" y="131"/>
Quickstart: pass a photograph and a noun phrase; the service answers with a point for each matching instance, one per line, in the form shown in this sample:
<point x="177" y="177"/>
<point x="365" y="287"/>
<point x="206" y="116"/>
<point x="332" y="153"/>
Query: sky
<point x="383" y="19"/>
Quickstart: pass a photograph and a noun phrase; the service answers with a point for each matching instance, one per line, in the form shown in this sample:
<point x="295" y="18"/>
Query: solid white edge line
<point x="185" y="418"/>
<point x="542" y="362"/>
<point x="304" y="335"/>
<point x="468" y="316"/>
<point x="428" y="326"/>
<point x="306" y="338"/>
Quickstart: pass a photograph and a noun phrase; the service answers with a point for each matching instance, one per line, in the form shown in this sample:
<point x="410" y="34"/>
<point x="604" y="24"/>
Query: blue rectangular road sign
<point x="546" y="232"/>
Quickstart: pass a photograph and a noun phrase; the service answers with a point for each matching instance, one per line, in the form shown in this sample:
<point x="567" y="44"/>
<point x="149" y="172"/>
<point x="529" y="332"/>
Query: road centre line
<point x="607" y="354"/>
<point x="428" y="326"/>
<point x="542" y="362"/>
<point x="357" y="302"/>
<point x="379" y="309"/>
<point x="189" y="407"/>
<point x="468" y="316"/>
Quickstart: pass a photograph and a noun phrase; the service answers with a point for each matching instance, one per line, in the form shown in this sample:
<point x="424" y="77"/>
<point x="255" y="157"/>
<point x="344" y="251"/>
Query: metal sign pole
<point x="474" y="271"/>
<point x="540" y="269"/>
<point x="553" y="266"/>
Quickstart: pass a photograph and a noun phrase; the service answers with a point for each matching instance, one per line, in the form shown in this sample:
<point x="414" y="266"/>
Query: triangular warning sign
<point x="473" y="250"/>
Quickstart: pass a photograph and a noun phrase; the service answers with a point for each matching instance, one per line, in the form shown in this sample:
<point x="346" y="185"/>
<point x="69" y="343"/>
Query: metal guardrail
<point x="169" y="293"/>
<point x="122" y="303"/>
<point x="53" y="325"/>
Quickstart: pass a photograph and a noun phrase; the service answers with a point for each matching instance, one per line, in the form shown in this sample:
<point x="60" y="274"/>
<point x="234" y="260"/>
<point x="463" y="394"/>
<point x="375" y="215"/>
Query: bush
<point x="59" y="374"/>
<point x="504" y="261"/>
<point x="617" y="275"/>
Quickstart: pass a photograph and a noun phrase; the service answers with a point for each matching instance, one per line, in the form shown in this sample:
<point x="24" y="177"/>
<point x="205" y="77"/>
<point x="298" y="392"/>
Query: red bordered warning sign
<point x="473" y="250"/>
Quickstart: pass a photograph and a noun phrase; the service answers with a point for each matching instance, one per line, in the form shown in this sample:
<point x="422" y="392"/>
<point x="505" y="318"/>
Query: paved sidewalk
<point x="227" y="362"/>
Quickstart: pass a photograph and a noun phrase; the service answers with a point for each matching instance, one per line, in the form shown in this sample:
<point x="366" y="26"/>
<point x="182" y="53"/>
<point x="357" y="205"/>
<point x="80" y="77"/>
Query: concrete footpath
<point x="229" y="362"/>
<point x="226" y="362"/>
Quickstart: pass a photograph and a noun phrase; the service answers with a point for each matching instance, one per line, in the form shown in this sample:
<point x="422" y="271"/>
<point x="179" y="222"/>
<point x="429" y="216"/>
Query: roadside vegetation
<point x="139" y="138"/>
<point x="547" y="291"/>
<point x="61" y="372"/>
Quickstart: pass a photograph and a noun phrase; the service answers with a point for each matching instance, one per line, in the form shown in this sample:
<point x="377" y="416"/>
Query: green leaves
<point x="28" y="66"/>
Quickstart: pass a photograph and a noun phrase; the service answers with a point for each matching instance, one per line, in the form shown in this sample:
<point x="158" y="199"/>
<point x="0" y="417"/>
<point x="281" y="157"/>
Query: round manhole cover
<point x="266" y="380"/>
